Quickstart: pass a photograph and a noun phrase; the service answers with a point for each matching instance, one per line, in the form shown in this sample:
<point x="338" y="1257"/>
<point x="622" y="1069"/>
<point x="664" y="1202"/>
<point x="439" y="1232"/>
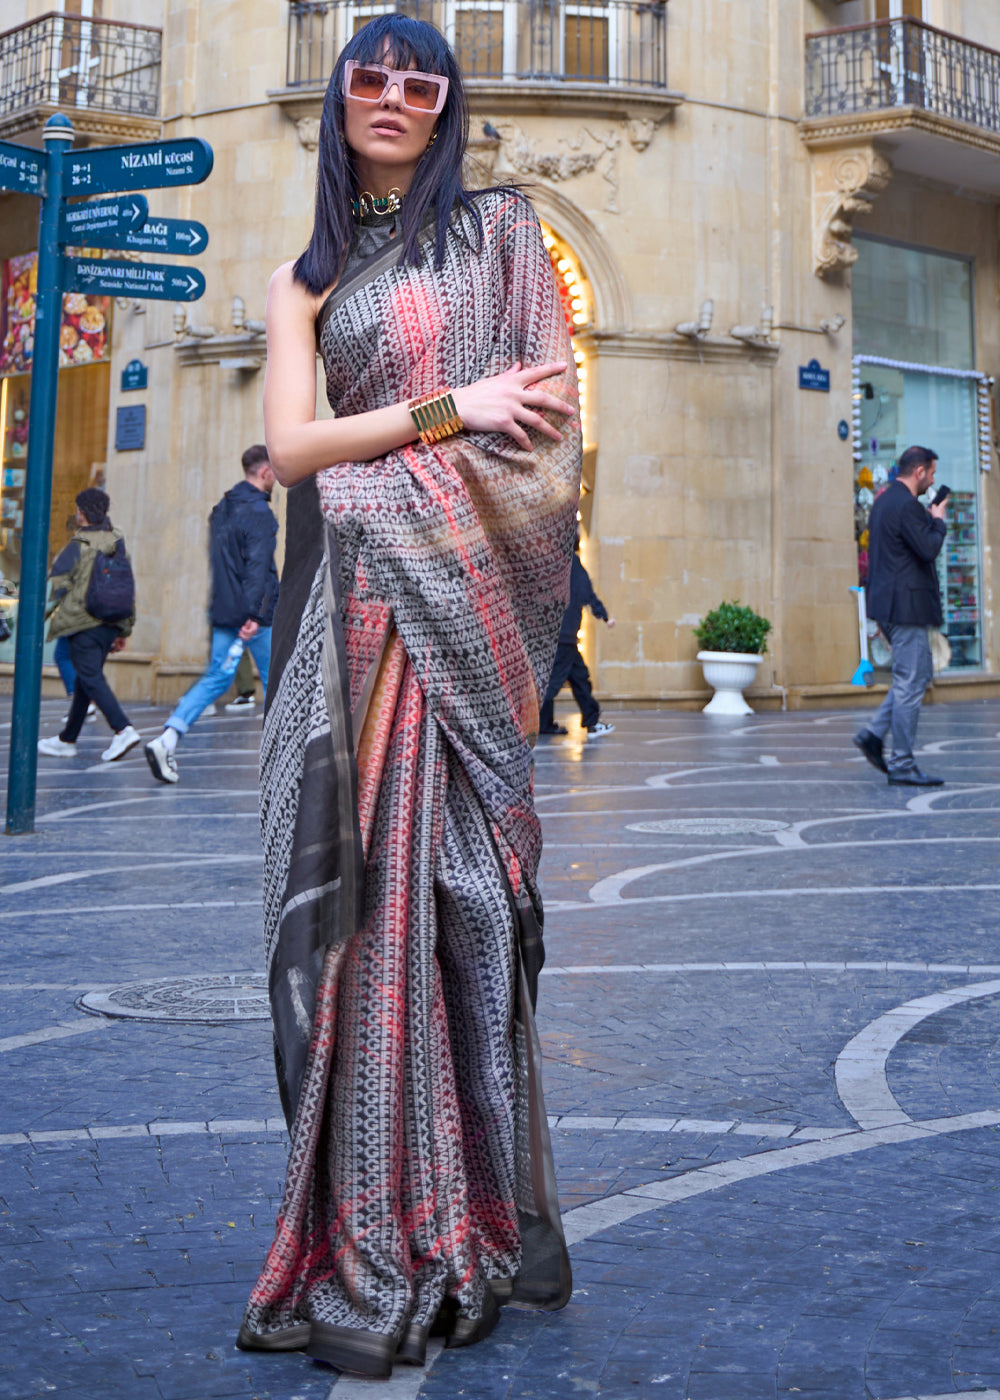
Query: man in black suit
<point x="904" y="539"/>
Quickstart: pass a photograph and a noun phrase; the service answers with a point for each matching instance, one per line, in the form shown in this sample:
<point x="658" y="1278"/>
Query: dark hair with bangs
<point x="398" y="42"/>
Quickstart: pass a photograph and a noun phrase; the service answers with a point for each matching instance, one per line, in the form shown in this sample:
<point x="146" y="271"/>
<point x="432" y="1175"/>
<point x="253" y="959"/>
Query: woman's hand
<point x="509" y="402"/>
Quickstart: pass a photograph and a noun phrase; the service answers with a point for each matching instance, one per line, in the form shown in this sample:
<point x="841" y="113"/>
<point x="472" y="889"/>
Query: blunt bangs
<point x="400" y="42"/>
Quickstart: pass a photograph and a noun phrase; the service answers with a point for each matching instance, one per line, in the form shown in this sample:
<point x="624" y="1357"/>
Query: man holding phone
<point x="904" y="539"/>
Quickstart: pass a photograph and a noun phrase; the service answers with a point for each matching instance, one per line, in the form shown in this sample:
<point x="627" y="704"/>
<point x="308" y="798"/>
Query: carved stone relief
<point x="308" y="132"/>
<point x="582" y="154"/>
<point x="640" y="132"/>
<point x="845" y="182"/>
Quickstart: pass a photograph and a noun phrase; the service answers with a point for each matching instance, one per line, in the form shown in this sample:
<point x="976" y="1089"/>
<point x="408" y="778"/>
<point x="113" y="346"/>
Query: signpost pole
<point x="58" y="137"/>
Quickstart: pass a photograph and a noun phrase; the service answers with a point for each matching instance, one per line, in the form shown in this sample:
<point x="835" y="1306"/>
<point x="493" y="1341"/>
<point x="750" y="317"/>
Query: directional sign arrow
<point x="104" y="277"/>
<point x="152" y="165"/>
<point x="97" y="221"/>
<point x="184" y="236"/>
<point x="21" y="169"/>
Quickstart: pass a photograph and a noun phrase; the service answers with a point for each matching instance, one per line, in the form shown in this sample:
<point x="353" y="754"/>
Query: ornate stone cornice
<point x="858" y="128"/>
<point x="246" y="353"/>
<point x="845" y="180"/>
<point x="561" y="99"/>
<point x="642" y="109"/>
<point x="99" y="128"/>
<point x="667" y="345"/>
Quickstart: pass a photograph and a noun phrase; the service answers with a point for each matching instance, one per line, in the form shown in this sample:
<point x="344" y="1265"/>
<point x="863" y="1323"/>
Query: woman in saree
<point x="429" y="538"/>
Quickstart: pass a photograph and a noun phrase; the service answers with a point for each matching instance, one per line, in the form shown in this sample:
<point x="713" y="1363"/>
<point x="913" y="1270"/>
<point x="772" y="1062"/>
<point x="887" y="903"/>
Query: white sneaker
<point x="91" y="713"/>
<point x="242" y="705"/>
<point x="55" y="748"/>
<point x="596" y="730"/>
<point x="120" y="744"/>
<point x="161" y="762"/>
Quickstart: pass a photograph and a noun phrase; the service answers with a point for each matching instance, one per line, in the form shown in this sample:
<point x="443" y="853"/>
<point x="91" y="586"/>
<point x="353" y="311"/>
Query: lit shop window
<point x="577" y="304"/>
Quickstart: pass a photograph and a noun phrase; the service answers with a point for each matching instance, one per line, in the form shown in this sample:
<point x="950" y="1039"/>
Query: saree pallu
<point x="421" y="600"/>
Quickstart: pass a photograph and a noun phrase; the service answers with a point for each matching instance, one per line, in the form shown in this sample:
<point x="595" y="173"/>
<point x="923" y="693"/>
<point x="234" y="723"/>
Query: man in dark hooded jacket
<point x="244" y="593"/>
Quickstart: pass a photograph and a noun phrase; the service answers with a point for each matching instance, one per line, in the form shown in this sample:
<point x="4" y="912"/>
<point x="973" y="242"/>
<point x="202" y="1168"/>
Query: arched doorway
<point x="577" y="299"/>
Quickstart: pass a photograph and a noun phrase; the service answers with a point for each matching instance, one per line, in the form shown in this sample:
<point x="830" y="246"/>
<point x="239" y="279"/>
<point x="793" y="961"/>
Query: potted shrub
<point x="732" y="640"/>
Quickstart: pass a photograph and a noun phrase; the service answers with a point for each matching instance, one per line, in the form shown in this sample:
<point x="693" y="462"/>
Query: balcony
<point x="930" y="99"/>
<point x="558" y="56"/>
<point x="103" y="74"/>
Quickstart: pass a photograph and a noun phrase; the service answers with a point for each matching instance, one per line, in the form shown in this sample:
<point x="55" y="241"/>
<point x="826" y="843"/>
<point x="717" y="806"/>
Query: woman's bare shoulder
<point x="286" y="290"/>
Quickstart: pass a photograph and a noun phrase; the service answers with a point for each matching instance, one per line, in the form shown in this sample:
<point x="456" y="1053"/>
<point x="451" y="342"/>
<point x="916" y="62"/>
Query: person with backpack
<point x="94" y="590"/>
<point x="242" y="533"/>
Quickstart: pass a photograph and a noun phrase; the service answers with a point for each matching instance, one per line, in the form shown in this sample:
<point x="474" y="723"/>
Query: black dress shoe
<point x="871" y="746"/>
<point x="913" y="777"/>
<point x="555" y="729"/>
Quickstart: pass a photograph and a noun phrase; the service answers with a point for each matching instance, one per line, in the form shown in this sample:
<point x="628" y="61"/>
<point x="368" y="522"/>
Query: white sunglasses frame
<point x="396" y="77"/>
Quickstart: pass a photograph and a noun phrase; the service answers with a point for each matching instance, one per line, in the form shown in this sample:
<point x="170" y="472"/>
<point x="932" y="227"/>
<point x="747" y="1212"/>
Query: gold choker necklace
<point x="367" y="203"/>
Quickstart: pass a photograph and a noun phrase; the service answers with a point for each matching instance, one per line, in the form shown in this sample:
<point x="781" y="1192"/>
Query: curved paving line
<point x="583" y="1222"/>
<point x="591" y="1219"/>
<point x="956" y="1395"/>
<point x="862" y="1081"/>
<point x="47" y="818"/>
<point x="67" y="877"/>
<point x="609" y="890"/>
<point x="576" y="906"/>
<point x="83" y="911"/>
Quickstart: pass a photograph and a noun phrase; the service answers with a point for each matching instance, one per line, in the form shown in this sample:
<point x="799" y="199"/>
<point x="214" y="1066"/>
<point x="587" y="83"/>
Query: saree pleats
<point x="402" y="916"/>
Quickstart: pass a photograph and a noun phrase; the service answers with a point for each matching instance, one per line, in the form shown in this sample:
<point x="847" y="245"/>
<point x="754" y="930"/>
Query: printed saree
<point x="420" y="604"/>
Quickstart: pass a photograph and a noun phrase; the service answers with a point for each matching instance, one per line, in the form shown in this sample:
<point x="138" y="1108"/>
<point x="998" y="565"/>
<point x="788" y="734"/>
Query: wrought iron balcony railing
<point x="615" y="43"/>
<point x="902" y="63"/>
<point x="68" y="62"/>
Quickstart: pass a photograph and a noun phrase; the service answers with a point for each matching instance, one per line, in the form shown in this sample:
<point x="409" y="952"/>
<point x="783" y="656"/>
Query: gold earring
<point x="434" y="137"/>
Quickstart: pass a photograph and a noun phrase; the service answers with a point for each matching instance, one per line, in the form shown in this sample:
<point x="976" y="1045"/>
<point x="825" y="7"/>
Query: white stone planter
<point x="729" y="673"/>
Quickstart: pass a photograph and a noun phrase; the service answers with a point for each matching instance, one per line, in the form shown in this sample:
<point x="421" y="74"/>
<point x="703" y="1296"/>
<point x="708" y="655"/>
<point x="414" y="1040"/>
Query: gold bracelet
<point x="435" y="416"/>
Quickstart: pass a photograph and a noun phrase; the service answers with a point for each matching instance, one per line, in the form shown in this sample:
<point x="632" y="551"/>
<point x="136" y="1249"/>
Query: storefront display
<point x="912" y="299"/>
<point x="959" y="564"/>
<point x="81" y="433"/>
<point x="83" y="335"/>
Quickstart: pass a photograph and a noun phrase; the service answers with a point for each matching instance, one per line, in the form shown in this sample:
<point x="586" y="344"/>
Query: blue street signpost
<point x="20" y="169"/>
<point x="183" y="236"/>
<point x="102" y="169"/>
<point x="92" y="222"/>
<point x="122" y="221"/>
<point x="54" y="175"/>
<point x="103" y="277"/>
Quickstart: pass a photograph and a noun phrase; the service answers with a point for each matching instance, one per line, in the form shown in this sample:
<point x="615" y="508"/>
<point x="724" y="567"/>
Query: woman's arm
<point x="299" y="446"/>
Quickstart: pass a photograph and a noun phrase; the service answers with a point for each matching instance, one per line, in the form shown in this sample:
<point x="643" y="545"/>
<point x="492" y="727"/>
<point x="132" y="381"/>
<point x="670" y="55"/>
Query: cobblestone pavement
<point x="770" y="1021"/>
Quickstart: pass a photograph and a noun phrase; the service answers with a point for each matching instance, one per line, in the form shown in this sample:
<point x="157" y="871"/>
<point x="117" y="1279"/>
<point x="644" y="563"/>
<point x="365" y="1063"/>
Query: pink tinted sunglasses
<point x="419" y="92"/>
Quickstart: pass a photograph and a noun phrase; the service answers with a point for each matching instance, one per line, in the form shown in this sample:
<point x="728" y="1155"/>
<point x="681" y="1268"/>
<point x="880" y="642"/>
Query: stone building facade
<point x="777" y="225"/>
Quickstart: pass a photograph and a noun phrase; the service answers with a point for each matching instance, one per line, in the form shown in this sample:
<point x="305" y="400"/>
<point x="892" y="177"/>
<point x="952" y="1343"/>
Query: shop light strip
<point x="921" y="369"/>
<point x="982" y="382"/>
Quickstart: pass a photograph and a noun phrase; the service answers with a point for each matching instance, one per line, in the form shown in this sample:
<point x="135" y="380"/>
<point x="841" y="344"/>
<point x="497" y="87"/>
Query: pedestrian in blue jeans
<point x="242" y="531"/>
<point x="904" y="598"/>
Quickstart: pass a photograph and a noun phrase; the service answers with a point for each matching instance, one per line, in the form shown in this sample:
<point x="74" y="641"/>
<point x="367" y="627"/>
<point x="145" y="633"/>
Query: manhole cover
<point x="709" y="826"/>
<point x="213" y="998"/>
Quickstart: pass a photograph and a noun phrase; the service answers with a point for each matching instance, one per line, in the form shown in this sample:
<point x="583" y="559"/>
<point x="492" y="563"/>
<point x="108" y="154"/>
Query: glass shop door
<point x="896" y="409"/>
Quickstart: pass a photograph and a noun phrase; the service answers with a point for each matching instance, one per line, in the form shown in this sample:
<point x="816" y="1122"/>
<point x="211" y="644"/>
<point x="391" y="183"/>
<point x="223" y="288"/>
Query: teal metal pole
<point x="23" y="771"/>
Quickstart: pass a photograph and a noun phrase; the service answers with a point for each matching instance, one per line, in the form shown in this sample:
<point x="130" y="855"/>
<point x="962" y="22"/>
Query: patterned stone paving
<point x="773" y="1071"/>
